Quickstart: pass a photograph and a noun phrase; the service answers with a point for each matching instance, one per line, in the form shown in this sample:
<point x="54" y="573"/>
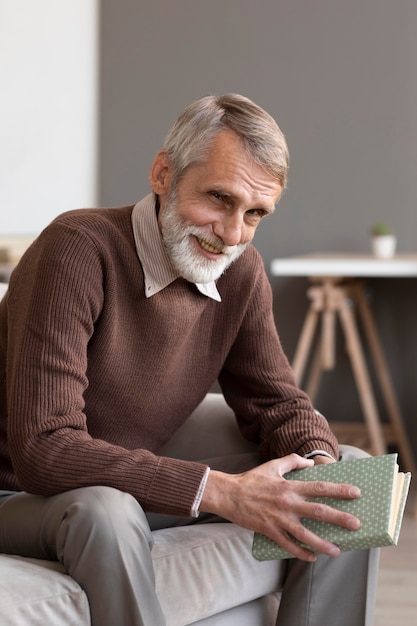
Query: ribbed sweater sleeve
<point x="55" y="302"/>
<point x="259" y="384"/>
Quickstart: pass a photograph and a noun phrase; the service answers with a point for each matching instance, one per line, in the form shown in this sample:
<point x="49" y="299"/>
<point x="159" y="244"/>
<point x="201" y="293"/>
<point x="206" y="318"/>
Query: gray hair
<point x="192" y="135"/>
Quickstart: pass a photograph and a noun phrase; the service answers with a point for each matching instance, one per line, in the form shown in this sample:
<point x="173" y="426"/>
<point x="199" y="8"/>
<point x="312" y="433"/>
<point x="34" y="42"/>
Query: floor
<point x="397" y="586"/>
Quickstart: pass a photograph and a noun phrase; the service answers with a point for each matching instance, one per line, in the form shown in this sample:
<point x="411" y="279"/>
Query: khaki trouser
<point x="103" y="539"/>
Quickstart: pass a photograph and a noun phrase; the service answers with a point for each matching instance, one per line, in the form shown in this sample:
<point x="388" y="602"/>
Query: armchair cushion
<point x="209" y="569"/>
<point x="36" y="593"/>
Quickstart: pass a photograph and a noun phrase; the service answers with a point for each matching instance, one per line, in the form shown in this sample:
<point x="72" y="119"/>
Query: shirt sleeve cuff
<point x="314" y="453"/>
<point x="195" y="509"/>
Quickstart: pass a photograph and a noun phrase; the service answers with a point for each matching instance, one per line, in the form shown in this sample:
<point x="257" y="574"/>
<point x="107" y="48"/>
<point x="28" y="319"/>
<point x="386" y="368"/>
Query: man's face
<point x="212" y="214"/>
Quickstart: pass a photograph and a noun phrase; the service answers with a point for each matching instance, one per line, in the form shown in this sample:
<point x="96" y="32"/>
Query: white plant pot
<point x="383" y="246"/>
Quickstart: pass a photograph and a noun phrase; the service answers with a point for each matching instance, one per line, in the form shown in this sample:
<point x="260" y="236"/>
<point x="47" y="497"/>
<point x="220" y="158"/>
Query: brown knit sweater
<point x="97" y="377"/>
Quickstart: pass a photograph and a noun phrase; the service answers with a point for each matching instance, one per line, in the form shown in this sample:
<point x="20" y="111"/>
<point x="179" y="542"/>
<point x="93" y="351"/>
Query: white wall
<point x="48" y="110"/>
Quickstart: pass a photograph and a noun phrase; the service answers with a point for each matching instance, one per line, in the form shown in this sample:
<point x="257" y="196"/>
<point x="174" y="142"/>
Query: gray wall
<point x="341" y="80"/>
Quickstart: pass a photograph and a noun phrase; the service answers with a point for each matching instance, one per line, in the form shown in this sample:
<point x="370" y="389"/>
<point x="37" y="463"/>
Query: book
<point x="380" y="508"/>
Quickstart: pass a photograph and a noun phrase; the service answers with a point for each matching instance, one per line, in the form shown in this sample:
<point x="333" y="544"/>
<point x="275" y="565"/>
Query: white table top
<point x="345" y="265"/>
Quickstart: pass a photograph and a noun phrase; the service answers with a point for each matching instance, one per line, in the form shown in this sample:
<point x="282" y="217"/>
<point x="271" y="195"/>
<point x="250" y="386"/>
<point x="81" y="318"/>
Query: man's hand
<point x="263" y="501"/>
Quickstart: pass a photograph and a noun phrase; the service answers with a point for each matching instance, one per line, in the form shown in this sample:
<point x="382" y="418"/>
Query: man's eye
<point x="259" y="213"/>
<point x="217" y="195"/>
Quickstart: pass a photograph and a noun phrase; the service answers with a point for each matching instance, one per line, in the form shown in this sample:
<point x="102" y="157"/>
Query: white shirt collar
<point x="157" y="267"/>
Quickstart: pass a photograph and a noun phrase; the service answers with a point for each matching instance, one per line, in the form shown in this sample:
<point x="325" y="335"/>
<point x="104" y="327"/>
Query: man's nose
<point x="231" y="230"/>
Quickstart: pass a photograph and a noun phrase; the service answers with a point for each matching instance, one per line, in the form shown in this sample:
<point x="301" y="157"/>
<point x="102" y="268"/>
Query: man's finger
<point x="321" y="489"/>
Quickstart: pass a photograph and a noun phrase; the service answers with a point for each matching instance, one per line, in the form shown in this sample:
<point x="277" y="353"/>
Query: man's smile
<point x="207" y="246"/>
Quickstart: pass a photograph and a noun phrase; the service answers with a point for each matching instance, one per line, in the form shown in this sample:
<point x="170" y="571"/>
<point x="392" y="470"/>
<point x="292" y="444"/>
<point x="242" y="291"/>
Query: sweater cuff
<point x="175" y="487"/>
<point x="319" y="446"/>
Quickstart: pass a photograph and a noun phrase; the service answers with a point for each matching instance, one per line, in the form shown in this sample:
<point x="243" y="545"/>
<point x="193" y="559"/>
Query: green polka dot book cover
<point x="380" y="508"/>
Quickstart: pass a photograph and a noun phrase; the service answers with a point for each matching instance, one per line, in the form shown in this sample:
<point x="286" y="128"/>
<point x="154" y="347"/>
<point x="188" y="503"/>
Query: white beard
<point x="191" y="264"/>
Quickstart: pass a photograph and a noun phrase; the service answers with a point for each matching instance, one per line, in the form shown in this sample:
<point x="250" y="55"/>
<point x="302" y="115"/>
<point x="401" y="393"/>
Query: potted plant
<point x="383" y="241"/>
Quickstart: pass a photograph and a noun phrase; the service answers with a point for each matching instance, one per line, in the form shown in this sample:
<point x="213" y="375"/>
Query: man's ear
<point x="160" y="174"/>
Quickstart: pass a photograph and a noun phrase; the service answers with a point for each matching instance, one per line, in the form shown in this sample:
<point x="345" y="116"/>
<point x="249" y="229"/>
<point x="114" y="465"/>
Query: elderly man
<point x="116" y="324"/>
